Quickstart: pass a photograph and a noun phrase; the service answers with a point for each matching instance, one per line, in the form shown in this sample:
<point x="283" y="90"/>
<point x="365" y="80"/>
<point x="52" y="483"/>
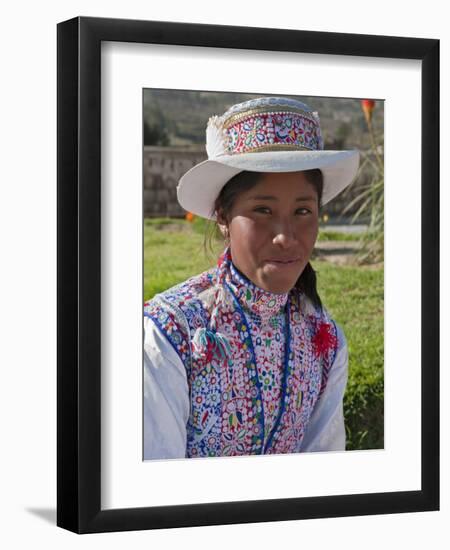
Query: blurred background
<point x="349" y="253"/>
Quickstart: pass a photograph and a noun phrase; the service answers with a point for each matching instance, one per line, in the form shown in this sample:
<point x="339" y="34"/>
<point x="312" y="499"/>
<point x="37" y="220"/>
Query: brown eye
<point x="262" y="209"/>
<point x="303" y="211"/>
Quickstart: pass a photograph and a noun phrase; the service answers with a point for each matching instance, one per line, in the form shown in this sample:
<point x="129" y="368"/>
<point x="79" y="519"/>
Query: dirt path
<point x="340" y="253"/>
<point x="336" y="252"/>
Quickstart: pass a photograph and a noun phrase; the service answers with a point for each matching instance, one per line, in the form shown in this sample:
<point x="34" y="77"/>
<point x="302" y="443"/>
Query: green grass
<point x="354" y="296"/>
<point x="171" y="257"/>
<point x="164" y="221"/>
<point x="328" y="235"/>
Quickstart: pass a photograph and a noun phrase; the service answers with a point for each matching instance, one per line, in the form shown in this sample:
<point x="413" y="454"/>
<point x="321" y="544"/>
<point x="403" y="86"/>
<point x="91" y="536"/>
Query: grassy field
<point x="174" y="250"/>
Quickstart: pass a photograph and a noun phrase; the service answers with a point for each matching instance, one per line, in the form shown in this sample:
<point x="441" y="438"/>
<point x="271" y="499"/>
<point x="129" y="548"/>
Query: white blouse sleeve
<point x="326" y="429"/>
<point x="166" y="397"/>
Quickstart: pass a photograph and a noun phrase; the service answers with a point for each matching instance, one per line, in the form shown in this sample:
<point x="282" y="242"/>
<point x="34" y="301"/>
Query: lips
<point x="284" y="261"/>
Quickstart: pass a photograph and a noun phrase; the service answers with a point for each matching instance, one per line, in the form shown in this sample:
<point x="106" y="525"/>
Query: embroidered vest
<point x="257" y="397"/>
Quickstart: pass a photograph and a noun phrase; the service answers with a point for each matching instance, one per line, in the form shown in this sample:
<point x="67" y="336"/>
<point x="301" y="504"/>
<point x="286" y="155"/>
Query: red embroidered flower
<point x="323" y="339"/>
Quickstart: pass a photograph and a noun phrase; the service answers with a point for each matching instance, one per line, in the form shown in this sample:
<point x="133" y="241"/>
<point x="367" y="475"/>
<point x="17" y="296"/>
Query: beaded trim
<point x="267" y="102"/>
<point x="277" y="147"/>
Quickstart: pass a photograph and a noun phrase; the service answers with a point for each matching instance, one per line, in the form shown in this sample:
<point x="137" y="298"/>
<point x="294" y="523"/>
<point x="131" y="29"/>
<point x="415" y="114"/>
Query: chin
<point x="279" y="283"/>
<point x="280" y="287"/>
<point x="283" y="289"/>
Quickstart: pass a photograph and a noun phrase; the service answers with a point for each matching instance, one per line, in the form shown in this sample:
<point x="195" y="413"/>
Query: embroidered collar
<point x="262" y="304"/>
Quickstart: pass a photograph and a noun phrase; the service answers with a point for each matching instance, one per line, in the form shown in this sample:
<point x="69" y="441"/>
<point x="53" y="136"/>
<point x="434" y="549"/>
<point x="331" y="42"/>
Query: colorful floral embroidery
<point x="281" y="128"/>
<point x="257" y="396"/>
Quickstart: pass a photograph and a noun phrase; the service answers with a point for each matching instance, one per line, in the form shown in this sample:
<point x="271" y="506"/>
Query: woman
<point x="243" y="359"/>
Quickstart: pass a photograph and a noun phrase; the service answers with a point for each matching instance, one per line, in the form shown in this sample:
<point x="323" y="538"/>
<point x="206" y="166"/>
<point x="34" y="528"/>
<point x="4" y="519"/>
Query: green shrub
<point x="364" y="411"/>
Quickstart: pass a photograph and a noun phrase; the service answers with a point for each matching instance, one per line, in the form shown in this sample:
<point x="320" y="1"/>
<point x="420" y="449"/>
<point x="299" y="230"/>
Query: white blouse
<point x="167" y="407"/>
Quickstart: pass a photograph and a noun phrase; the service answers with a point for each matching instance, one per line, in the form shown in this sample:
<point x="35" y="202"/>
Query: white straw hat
<point x="271" y="134"/>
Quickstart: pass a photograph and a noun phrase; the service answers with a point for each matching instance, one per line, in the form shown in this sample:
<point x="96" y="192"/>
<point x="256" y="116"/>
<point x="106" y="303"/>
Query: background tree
<point x="156" y="128"/>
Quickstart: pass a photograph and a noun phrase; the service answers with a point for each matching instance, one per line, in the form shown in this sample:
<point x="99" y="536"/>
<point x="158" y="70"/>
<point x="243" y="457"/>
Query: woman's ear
<point x="222" y="224"/>
<point x="224" y="230"/>
<point x="221" y="220"/>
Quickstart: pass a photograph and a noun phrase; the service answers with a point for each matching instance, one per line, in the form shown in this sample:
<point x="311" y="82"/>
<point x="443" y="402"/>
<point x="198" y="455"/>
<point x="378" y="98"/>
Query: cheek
<point x="244" y="231"/>
<point x="308" y="229"/>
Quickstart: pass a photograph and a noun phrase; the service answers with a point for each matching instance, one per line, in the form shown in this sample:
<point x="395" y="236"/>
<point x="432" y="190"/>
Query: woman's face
<point x="273" y="228"/>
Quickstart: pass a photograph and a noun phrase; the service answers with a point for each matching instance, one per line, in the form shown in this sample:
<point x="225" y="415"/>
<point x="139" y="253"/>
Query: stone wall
<point x="163" y="167"/>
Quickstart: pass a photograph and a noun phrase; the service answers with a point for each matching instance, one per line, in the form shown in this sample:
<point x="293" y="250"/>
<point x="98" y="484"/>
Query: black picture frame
<point x="79" y="274"/>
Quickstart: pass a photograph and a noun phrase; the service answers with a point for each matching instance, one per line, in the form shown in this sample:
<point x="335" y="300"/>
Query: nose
<point x="284" y="235"/>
